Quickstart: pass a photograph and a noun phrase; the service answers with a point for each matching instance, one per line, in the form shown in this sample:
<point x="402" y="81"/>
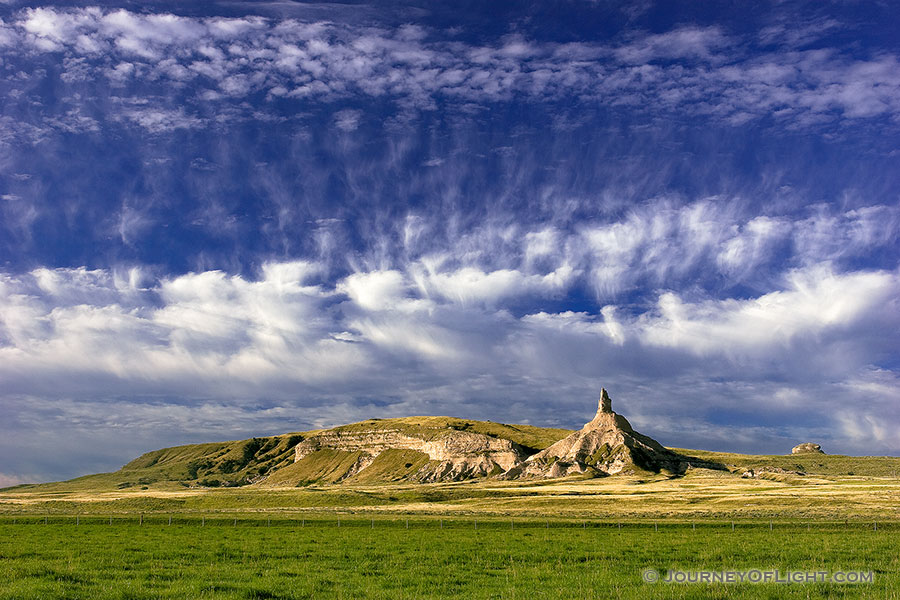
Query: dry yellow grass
<point x="702" y="494"/>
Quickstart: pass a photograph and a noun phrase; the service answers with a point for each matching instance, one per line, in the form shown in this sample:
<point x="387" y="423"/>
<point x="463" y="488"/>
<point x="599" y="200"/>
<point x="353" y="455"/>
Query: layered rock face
<point x="454" y="455"/>
<point x="606" y="445"/>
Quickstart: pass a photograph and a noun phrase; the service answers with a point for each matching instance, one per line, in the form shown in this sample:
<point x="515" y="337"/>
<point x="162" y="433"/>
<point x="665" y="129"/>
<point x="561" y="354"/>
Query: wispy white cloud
<point x="380" y="290"/>
<point x="703" y="71"/>
<point x="158" y="120"/>
<point x="815" y="302"/>
<point x="470" y="285"/>
<point x="684" y="42"/>
<point x="665" y="243"/>
<point x="797" y="31"/>
<point x="347" y="120"/>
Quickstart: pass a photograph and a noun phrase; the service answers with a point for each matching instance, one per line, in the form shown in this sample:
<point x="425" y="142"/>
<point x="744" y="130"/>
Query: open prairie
<point x="382" y="557"/>
<point x="830" y="488"/>
<point x="570" y="538"/>
<point x="270" y="518"/>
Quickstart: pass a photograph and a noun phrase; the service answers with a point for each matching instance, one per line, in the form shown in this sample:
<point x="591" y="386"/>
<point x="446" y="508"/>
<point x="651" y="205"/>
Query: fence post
<point x="732" y="525"/>
<point x="142" y="519"/>
<point x="110" y="520"/>
<point x="170" y="519"/>
<point x="407" y="523"/>
<point x="770" y="525"/>
<point x="76" y="519"/>
<point x="203" y="521"/>
<point x="655" y="527"/>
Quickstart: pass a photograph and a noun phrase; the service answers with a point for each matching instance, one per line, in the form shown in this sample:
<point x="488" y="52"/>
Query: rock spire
<point x="607" y="444"/>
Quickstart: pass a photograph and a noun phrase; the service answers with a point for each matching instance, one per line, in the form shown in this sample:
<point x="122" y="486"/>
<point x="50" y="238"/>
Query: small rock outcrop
<point x="807" y="448"/>
<point x="761" y="472"/>
<point x="604" y="446"/>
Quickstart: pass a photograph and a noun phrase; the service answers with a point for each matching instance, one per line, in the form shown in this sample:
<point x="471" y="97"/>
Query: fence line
<point x="474" y="523"/>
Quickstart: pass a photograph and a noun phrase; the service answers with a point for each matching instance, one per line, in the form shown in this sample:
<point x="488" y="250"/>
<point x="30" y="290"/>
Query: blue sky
<point x="226" y="219"/>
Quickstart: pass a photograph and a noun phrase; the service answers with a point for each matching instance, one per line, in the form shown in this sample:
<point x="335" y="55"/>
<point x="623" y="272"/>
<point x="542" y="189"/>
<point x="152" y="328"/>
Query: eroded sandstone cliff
<point x="452" y="455"/>
<point x="606" y="445"/>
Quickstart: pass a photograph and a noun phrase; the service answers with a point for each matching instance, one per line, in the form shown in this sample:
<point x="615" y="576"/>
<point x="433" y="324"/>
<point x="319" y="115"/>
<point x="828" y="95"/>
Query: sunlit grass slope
<point x="812" y="464"/>
<point x="260" y="475"/>
<point x="270" y="460"/>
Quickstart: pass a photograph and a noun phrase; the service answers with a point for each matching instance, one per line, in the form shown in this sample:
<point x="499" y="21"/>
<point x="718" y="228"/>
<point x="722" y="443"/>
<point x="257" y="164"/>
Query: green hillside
<point x="832" y="465"/>
<point x="269" y="461"/>
<point x="206" y="465"/>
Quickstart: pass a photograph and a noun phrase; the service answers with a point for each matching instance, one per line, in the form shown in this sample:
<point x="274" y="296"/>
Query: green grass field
<point x="249" y="522"/>
<point x="317" y="558"/>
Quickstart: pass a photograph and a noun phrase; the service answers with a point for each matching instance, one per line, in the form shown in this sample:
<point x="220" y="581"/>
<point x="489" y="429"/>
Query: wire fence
<point x="475" y="524"/>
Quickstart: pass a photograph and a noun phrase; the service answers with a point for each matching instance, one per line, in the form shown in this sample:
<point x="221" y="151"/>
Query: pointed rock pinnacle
<point x="605" y="418"/>
<point x="606" y="444"/>
<point x="605" y="404"/>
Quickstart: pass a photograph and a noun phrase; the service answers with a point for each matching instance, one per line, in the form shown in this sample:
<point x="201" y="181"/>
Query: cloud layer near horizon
<point x="433" y="335"/>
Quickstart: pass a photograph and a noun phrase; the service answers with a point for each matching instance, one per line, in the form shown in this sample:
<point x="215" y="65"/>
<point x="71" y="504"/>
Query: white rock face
<point x="457" y="454"/>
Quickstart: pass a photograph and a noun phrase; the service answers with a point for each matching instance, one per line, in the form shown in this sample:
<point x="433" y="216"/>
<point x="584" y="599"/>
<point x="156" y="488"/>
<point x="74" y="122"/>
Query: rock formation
<point x="807" y="448"/>
<point x="604" y="446"/>
<point x="454" y="455"/>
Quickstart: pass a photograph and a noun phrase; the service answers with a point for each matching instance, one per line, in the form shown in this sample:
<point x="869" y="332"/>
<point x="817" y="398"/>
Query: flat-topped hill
<point x="270" y="461"/>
